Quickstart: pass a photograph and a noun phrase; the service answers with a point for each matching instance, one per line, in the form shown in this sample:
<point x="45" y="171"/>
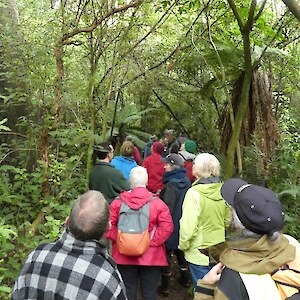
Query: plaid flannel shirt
<point x="69" y="269"/>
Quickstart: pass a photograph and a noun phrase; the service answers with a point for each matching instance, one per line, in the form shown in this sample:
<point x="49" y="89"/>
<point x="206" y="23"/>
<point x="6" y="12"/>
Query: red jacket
<point x="136" y="155"/>
<point x="155" y="169"/>
<point x="159" y="216"/>
<point x="188" y="165"/>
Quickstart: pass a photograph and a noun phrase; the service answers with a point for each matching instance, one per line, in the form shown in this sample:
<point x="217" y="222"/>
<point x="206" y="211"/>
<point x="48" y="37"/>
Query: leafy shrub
<point x="27" y="218"/>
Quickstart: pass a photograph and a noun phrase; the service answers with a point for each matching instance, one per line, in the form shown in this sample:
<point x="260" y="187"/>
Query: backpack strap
<point x="286" y="268"/>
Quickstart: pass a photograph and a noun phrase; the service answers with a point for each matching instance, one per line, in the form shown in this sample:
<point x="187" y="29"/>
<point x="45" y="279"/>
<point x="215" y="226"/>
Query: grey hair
<point x="138" y="177"/>
<point x="174" y="167"/>
<point x="246" y="233"/>
<point x="89" y="217"/>
<point x="206" y="165"/>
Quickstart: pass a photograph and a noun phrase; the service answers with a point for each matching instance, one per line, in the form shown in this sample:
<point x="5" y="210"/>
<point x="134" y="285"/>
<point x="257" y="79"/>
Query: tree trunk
<point x="294" y="7"/>
<point x="92" y="114"/>
<point x="243" y="106"/>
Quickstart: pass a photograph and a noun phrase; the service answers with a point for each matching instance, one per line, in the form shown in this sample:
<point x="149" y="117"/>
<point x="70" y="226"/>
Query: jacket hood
<point x="210" y="188"/>
<point x="187" y="155"/>
<point x="156" y="157"/>
<point x="124" y="160"/>
<point x="136" y="197"/>
<point x="257" y="256"/>
<point x="178" y="174"/>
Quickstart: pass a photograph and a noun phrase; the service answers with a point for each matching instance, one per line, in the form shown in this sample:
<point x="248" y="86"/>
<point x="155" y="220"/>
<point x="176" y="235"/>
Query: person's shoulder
<point x="231" y="285"/>
<point x="41" y="250"/>
<point x="158" y="202"/>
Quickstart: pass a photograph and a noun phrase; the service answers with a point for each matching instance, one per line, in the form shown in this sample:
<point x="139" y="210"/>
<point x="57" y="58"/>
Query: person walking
<point x="188" y="151"/>
<point x="257" y="250"/>
<point x="77" y="266"/>
<point x="136" y="152"/>
<point x="104" y="177"/>
<point x="125" y="163"/>
<point x="176" y="185"/>
<point x="204" y="215"/>
<point x="155" y="168"/>
<point x="172" y="144"/>
<point x="146" y="267"/>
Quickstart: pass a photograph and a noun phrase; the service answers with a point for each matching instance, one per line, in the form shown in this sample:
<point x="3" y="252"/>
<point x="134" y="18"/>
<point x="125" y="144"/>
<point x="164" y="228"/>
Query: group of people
<point x="190" y="212"/>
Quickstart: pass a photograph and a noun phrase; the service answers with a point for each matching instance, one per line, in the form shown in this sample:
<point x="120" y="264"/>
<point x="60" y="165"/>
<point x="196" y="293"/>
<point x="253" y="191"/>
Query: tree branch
<point x="97" y="22"/>
<point x="250" y="20"/>
<point x="136" y="44"/>
<point x="170" y="110"/>
<point x="236" y="14"/>
<point x="260" y="11"/>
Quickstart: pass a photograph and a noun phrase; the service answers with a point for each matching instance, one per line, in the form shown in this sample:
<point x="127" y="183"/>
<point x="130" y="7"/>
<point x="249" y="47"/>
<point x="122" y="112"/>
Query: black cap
<point x="173" y="159"/>
<point x="257" y="207"/>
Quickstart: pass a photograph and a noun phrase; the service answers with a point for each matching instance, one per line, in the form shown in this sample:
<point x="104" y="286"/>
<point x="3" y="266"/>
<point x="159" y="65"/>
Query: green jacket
<point x="107" y="180"/>
<point x="204" y="218"/>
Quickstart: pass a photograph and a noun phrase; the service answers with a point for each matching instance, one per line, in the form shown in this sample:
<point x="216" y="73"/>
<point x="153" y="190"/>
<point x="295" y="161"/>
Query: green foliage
<point x="7" y="235"/>
<point x="3" y="127"/>
<point x="21" y="202"/>
<point x="291" y="200"/>
<point x="188" y="54"/>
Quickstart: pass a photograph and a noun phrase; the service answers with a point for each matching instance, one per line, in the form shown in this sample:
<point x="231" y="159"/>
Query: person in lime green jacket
<point x="205" y="215"/>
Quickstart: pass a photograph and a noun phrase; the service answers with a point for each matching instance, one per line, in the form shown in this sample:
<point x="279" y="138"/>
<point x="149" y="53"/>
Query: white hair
<point x="206" y="165"/>
<point x="138" y="177"/>
<point x="246" y="233"/>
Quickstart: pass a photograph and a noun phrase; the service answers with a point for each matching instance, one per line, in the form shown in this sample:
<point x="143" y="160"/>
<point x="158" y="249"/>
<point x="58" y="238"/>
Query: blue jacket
<point x="176" y="185"/>
<point x="124" y="164"/>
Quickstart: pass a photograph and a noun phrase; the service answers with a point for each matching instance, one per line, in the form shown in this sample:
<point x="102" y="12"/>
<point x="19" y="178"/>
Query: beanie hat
<point x="190" y="146"/>
<point x="158" y="147"/>
<point x="127" y="149"/>
<point x="257" y="207"/>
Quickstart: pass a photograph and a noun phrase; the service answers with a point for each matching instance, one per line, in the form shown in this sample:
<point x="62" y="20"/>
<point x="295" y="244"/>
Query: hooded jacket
<point x="159" y="215"/>
<point x="155" y="169"/>
<point x="176" y="185"/>
<point x="124" y="164"/>
<point x="188" y="163"/>
<point x="248" y="263"/>
<point x="204" y="218"/>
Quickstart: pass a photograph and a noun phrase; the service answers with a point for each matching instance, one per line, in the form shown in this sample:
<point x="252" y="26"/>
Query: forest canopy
<point x="76" y="73"/>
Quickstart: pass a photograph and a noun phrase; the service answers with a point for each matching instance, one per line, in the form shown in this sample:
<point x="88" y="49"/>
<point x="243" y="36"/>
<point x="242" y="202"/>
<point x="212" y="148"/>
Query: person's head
<point x="127" y="149"/>
<point x="104" y="151"/>
<point x="175" y="148"/>
<point x="181" y="140"/>
<point x="138" y="177"/>
<point x="190" y="146"/>
<point x="89" y="216"/>
<point x="153" y="138"/>
<point x="206" y="165"/>
<point x="170" y="135"/>
<point x="129" y="138"/>
<point x="255" y="210"/>
<point x="173" y="161"/>
<point x="157" y="147"/>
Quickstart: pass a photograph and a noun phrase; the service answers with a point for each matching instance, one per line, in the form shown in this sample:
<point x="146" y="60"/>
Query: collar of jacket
<point x="174" y="174"/>
<point x="207" y="180"/>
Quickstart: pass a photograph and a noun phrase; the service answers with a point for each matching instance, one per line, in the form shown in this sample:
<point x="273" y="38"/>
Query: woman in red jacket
<point x="147" y="267"/>
<point x="155" y="168"/>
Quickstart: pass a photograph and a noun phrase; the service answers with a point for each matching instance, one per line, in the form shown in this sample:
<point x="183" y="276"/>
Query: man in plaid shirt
<point x="76" y="266"/>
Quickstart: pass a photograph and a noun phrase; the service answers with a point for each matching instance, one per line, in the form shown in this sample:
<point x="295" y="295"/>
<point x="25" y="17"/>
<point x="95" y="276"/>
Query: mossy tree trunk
<point x="245" y="29"/>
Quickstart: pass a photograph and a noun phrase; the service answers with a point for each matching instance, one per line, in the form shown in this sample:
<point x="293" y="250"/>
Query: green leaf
<point x="5" y="289"/>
